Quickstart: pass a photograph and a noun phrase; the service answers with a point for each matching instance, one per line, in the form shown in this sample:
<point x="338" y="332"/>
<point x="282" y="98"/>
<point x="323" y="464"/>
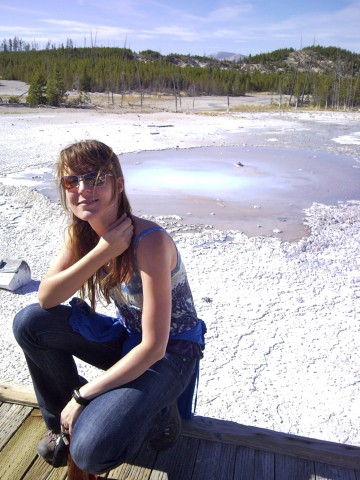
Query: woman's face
<point x="90" y="195"/>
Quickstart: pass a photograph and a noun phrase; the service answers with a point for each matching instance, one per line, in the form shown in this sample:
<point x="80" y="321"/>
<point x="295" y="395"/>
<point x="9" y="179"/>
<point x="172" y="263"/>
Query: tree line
<point x="54" y="70"/>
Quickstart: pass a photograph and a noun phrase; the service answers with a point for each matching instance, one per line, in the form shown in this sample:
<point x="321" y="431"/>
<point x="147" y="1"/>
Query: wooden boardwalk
<point x="208" y="449"/>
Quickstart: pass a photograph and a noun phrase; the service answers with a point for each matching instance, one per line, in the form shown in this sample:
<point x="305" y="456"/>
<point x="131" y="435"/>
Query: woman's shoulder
<point x="151" y="235"/>
<point x="143" y="224"/>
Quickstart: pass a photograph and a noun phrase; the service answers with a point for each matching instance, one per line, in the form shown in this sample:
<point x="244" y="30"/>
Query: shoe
<point x="168" y="437"/>
<point x="53" y="450"/>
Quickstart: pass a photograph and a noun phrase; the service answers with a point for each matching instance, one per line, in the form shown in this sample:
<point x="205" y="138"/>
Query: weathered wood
<point x="41" y="470"/>
<point x="245" y="464"/>
<point x="20" y="451"/>
<point x="269" y="440"/>
<point x="19" y="394"/>
<point x="189" y="459"/>
<point x="178" y="462"/>
<point x="214" y="461"/>
<point x="11" y="417"/>
<point x="325" y="471"/>
<point x="265" y="466"/>
<point x="139" y="469"/>
<point x="225" y="432"/>
<point x="295" y="468"/>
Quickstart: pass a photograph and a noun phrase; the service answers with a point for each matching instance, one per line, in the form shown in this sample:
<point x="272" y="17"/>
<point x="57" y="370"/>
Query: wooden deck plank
<point x="208" y="449"/>
<point x="271" y="441"/>
<point x="139" y="469"/>
<point x="245" y="463"/>
<point x="236" y="434"/>
<point x="287" y="467"/>
<point x="20" y="451"/>
<point x="41" y="470"/>
<point x="265" y="466"/>
<point x="325" y="471"/>
<point x="11" y="417"/>
<point x="210" y="461"/>
<point x="20" y="394"/>
<point x="177" y="462"/>
<point x="214" y="461"/>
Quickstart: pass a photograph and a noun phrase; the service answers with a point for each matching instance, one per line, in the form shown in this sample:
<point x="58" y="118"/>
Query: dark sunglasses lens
<point x="91" y="179"/>
<point x="94" y="179"/>
<point x="70" y="181"/>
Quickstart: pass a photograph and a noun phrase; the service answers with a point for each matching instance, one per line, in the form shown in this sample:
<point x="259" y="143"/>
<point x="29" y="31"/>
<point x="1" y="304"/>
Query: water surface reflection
<point x="255" y="190"/>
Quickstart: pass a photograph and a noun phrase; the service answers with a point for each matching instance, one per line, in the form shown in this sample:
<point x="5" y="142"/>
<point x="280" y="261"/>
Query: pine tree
<point x="37" y="94"/>
<point x="55" y="90"/>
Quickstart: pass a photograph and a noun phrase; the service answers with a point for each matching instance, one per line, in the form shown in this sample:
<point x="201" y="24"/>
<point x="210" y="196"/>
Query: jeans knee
<point x="24" y="321"/>
<point x="94" y="458"/>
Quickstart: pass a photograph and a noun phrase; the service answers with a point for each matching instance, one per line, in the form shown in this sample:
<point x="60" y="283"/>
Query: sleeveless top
<point x="128" y="298"/>
<point x="186" y="332"/>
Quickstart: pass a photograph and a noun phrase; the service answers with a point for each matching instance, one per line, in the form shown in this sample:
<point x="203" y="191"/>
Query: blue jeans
<point x="111" y="429"/>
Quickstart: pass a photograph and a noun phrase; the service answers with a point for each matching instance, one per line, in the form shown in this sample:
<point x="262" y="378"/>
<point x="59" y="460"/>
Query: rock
<point x="14" y="274"/>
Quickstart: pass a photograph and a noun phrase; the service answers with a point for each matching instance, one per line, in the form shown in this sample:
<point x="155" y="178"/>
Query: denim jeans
<point x="112" y="427"/>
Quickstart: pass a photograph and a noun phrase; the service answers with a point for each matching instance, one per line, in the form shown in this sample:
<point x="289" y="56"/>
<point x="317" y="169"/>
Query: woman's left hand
<point x="69" y="416"/>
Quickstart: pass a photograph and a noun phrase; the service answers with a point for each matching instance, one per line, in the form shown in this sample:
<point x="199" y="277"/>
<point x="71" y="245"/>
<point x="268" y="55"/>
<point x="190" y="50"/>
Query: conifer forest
<point x="321" y="77"/>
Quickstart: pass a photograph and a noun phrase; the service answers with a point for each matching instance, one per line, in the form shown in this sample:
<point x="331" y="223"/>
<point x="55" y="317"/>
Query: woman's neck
<point x="101" y="225"/>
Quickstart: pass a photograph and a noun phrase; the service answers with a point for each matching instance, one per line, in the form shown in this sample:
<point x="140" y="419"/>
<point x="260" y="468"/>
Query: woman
<point x="148" y="354"/>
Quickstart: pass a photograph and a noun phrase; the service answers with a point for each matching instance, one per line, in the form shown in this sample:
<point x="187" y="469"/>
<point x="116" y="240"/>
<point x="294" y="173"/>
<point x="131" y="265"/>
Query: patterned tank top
<point x="128" y="297"/>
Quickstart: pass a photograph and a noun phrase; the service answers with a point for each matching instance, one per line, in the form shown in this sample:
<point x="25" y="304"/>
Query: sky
<point x="196" y="27"/>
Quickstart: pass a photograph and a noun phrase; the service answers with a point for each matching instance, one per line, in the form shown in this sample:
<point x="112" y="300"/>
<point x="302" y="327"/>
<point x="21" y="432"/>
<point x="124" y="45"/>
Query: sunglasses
<point x="92" y="179"/>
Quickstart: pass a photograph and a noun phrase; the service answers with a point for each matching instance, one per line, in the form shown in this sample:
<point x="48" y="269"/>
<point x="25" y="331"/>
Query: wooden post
<point x="75" y="473"/>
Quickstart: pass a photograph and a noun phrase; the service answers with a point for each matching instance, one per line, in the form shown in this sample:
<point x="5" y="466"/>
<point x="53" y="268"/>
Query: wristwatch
<point x="78" y="398"/>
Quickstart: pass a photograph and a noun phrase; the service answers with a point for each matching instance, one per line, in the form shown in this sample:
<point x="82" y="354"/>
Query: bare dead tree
<point x="175" y="92"/>
<point x="140" y="84"/>
<point x="93" y="41"/>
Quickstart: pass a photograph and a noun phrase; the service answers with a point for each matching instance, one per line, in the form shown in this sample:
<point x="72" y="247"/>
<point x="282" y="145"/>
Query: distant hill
<point x="315" y="59"/>
<point x="233" y="57"/>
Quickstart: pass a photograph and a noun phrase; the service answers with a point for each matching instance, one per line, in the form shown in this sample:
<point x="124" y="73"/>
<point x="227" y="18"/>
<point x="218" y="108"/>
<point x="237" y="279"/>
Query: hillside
<point x="316" y="59"/>
<point x="324" y="76"/>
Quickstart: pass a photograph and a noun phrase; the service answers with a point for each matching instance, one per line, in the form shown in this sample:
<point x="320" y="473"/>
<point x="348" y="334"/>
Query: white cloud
<point x="124" y="10"/>
<point x="71" y="26"/>
<point x="226" y="33"/>
<point x="229" y="14"/>
<point x="19" y="10"/>
<point x="21" y="31"/>
<point x="173" y="31"/>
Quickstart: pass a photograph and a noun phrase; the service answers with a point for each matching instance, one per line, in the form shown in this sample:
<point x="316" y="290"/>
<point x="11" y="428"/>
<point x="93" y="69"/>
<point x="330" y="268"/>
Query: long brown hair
<point x="83" y="157"/>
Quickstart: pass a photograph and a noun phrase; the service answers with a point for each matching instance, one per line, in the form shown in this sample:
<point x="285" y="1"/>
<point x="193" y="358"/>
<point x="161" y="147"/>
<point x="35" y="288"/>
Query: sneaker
<point x="168" y="437"/>
<point x="53" y="450"/>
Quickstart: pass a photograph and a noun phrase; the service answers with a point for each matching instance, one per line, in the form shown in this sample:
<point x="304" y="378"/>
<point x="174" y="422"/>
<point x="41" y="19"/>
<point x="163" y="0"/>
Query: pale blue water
<point x="266" y="173"/>
<point x="204" y="185"/>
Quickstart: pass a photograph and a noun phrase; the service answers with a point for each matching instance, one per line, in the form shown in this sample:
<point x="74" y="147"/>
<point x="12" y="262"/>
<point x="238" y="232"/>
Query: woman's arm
<point x="65" y="276"/>
<point x="155" y="261"/>
<point x="156" y="258"/>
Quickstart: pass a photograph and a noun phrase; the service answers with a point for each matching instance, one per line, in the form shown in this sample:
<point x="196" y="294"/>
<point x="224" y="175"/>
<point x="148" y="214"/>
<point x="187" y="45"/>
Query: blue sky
<point x="197" y="27"/>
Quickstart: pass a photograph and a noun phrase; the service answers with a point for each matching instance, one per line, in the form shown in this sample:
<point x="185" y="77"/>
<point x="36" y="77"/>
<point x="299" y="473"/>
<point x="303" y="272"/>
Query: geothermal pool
<point x="261" y="191"/>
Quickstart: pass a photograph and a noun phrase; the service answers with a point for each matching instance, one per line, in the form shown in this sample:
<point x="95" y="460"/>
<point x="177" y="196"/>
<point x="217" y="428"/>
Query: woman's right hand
<point x="66" y="276"/>
<point x="118" y="237"/>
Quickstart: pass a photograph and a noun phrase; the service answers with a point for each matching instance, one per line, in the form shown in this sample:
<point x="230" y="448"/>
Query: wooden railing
<point x="233" y="433"/>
